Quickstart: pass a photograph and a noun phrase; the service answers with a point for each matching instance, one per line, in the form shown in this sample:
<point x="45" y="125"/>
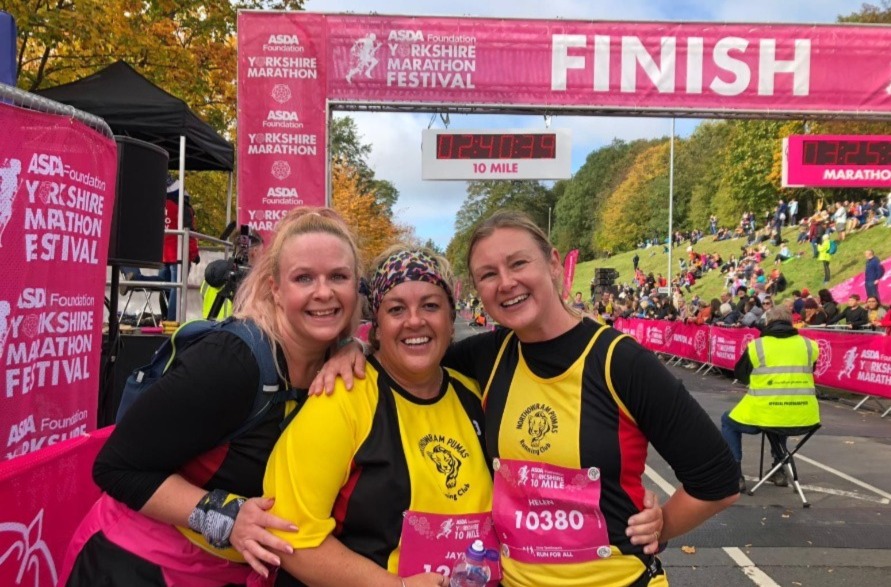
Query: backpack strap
<point x="272" y="389"/>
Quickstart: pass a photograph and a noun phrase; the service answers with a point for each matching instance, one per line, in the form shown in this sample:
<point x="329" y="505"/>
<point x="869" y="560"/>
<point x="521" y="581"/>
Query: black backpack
<point x="270" y="391"/>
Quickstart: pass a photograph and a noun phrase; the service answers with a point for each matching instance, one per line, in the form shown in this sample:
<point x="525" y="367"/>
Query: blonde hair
<point x="443" y="267"/>
<point x="519" y="221"/>
<point x="254" y="298"/>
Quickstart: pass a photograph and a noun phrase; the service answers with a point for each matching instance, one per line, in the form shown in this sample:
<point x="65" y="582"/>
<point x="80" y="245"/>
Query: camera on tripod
<point x="225" y="275"/>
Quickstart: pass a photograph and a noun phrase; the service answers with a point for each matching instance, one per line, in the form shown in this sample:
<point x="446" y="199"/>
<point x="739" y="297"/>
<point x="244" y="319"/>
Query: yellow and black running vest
<point x="781" y="387"/>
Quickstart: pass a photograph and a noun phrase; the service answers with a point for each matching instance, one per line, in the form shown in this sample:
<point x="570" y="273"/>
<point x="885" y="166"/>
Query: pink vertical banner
<point x="857" y="285"/>
<point x="569" y="264"/>
<point x="853" y="362"/>
<point x="57" y="189"/>
<point x="726" y="345"/>
<point x="282" y="115"/>
<point x="48" y="493"/>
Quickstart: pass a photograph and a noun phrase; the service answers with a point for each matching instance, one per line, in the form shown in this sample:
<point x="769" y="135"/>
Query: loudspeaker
<point x="135" y="350"/>
<point x="137" y="227"/>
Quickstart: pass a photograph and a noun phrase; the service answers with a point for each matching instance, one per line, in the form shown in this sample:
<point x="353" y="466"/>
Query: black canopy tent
<point x="133" y="106"/>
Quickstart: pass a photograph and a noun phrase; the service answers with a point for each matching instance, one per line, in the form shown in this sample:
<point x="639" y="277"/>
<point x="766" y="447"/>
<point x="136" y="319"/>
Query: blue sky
<point x="430" y="206"/>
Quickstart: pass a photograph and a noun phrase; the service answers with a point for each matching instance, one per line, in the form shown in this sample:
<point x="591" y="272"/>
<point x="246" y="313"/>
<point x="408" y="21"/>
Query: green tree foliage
<point x="635" y="209"/>
<point x="348" y="146"/>
<point x="484" y="198"/>
<point x="746" y="183"/>
<point x="698" y="174"/>
<point x="186" y="47"/>
<point x="578" y="207"/>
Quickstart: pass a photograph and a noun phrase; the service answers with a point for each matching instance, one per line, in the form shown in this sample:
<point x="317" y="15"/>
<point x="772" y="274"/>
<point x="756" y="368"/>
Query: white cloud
<point x="430" y="206"/>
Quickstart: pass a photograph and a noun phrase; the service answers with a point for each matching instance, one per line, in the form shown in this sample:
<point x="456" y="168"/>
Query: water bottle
<point x="472" y="570"/>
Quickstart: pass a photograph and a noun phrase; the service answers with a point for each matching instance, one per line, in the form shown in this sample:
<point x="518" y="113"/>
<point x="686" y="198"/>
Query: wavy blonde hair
<point x="254" y="298"/>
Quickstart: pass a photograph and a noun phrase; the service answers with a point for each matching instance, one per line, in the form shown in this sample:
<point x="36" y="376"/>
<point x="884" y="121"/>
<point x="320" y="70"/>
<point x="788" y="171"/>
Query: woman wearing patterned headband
<point x="574" y="404"/>
<point x="396" y="475"/>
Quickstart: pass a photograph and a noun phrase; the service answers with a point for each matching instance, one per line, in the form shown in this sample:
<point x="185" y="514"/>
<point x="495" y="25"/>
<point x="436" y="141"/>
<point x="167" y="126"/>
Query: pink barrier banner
<point x="846" y="161"/>
<point x="859" y="363"/>
<point x="46" y="494"/>
<point x="853" y="362"/>
<point x="292" y="65"/>
<point x="689" y="341"/>
<point x="57" y="189"/>
<point x="282" y="115"/>
<point x="726" y="345"/>
<point x="857" y="285"/>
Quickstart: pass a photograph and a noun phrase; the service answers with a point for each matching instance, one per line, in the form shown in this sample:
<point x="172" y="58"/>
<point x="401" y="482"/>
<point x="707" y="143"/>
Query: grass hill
<point x="800" y="272"/>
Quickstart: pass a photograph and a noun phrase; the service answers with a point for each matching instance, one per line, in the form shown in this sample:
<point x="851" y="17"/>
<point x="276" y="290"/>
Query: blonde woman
<point x="180" y="506"/>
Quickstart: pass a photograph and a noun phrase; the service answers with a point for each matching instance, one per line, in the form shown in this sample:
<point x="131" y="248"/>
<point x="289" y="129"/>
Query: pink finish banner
<point x="57" y="189"/>
<point x="46" y="494"/>
<point x="607" y="65"/>
<point x="857" y="285"/>
<point x="282" y="115"/>
<point x="292" y="63"/>
<point x="853" y="362"/>
<point x="845" y="161"/>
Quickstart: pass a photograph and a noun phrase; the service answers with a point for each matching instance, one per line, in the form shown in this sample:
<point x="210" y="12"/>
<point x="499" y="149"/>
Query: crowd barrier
<point x="46" y="494"/>
<point x="849" y="361"/>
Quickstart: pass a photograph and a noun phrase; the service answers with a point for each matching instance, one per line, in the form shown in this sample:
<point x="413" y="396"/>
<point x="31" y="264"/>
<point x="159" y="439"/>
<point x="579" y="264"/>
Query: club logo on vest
<point x="538" y="421"/>
<point x="447" y="455"/>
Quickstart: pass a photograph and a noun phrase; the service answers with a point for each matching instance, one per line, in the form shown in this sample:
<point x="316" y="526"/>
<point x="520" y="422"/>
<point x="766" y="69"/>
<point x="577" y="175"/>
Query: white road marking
<point x="659" y="480"/>
<point x="839" y="492"/>
<point x="845" y="476"/>
<point x="757" y="576"/>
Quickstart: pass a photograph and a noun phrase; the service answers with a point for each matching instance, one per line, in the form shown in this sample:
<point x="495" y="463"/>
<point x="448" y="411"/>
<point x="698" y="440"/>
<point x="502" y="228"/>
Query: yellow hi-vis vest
<point x="209" y="295"/>
<point x="781" y="388"/>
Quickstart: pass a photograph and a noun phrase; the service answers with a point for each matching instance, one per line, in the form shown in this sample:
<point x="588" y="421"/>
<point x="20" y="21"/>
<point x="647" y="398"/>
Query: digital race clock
<point x="464" y="154"/>
<point x="848" y="161"/>
<point x="849" y="151"/>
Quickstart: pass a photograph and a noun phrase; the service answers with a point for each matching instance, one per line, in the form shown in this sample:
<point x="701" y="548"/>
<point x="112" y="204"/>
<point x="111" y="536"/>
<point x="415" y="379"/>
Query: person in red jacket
<point x="171" y="255"/>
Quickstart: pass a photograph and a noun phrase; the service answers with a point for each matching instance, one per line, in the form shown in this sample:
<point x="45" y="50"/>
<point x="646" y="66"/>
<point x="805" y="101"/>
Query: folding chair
<point x="787" y="458"/>
<point x="147" y="292"/>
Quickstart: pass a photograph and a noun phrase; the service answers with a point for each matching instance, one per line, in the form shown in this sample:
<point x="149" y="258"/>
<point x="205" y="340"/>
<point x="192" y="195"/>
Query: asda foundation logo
<point x="282" y="119"/>
<point x="538" y="423"/>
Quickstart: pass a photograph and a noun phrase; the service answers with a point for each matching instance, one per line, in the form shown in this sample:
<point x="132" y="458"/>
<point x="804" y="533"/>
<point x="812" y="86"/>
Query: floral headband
<point x="401" y="267"/>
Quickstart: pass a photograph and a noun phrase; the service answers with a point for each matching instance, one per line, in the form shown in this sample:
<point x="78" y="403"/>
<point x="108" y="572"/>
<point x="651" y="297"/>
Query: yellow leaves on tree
<point x="624" y="208"/>
<point x="375" y="230"/>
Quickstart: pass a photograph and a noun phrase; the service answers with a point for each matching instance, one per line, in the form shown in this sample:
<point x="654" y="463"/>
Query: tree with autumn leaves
<point x="362" y="211"/>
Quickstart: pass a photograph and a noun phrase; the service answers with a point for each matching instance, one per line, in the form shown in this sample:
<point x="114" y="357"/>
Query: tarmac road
<point x="769" y="539"/>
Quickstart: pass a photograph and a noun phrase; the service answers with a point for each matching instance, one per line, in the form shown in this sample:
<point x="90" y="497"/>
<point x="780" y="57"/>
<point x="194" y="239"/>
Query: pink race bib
<point x="547" y="514"/>
<point x="433" y="543"/>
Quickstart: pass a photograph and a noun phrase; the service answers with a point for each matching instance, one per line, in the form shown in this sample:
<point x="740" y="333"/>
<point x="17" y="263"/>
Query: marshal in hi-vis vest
<point x="781" y="388"/>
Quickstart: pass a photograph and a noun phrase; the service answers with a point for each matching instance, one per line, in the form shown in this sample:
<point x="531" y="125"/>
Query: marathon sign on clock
<point x="495" y="154"/>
